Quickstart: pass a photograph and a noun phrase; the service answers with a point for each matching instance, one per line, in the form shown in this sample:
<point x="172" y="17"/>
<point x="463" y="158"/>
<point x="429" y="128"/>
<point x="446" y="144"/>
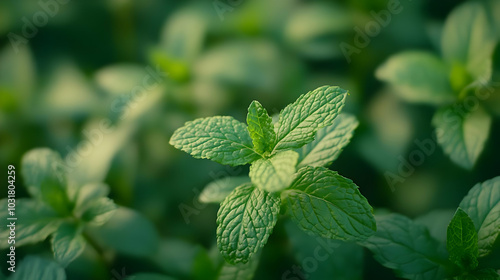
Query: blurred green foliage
<point x="106" y="83"/>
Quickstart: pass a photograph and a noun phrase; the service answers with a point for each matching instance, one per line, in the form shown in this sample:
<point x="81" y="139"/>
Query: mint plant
<point x="287" y="172"/>
<point x="457" y="82"/>
<point x="58" y="207"/>
<point x="471" y="249"/>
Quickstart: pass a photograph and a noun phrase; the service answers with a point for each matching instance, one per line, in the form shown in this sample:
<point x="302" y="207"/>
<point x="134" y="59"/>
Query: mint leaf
<point x="407" y="247"/>
<point x="461" y="241"/>
<point x="462" y="135"/>
<point x="67" y="244"/>
<point x="324" y="203"/>
<point x="38" y="268"/>
<point x="35" y="222"/>
<point x="216" y="191"/>
<point x="299" y="121"/>
<point x="221" y="139"/>
<point x="329" y="142"/>
<point x="417" y="76"/>
<point x="87" y="194"/>
<point x="245" y="220"/>
<point x="260" y="126"/>
<point x="240" y="271"/>
<point x="39" y="165"/>
<point x="468" y="39"/>
<point x="99" y="211"/>
<point x="275" y="173"/>
<point x="482" y="204"/>
<point x="53" y="193"/>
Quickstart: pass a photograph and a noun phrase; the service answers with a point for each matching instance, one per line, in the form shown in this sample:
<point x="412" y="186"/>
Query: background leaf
<point x="32" y="267"/>
<point x="216" y="191"/>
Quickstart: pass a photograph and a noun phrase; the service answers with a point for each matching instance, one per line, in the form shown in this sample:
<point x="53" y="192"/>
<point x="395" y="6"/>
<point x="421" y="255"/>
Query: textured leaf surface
<point x="482" y="204"/>
<point x="407" y="247"/>
<point x="245" y="220"/>
<point x="67" y="244"/>
<point x="299" y="121"/>
<point x="216" y="191"/>
<point x="462" y="135"/>
<point x="329" y="142"/>
<point x="260" y="126"/>
<point x="40" y="165"/>
<point x="461" y="241"/>
<point x="324" y="203"/>
<point x="32" y="268"/>
<point x="419" y="77"/>
<point x="275" y="173"/>
<point x="221" y="139"/>
<point x="35" y="222"/>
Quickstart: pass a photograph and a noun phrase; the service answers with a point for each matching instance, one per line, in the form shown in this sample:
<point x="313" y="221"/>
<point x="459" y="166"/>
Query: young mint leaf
<point x="32" y="268"/>
<point x="462" y="135"/>
<point x="419" y="77"/>
<point x="260" y="126"/>
<point x="407" y="247"/>
<point x="216" y="191"/>
<point x="275" y="173"/>
<point x="53" y="193"/>
<point x="468" y="39"/>
<point x="461" y="241"/>
<point x="324" y="203"/>
<point x="245" y="220"/>
<point x="240" y="271"/>
<point x="299" y="121"/>
<point x="221" y="139"/>
<point x="35" y="222"/>
<point x="99" y="211"/>
<point x="88" y="193"/>
<point x="39" y="165"/>
<point x="329" y="142"/>
<point x="67" y="244"/>
<point x="482" y="204"/>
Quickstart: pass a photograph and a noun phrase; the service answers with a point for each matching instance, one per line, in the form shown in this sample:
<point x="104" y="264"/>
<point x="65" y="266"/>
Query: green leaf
<point x="53" y="193"/>
<point x="88" y="193"/>
<point x="221" y="139"/>
<point x="128" y="233"/>
<point x="67" y="244"/>
<point x="468" y="39"/>
<point x="35" y="222"/>
<point x="461" y="241"/>
<point x="462" y="134"/>
<point x="99" y="211"/>
<point x="481" y="274"/>
<point x="275" y="173"/>
<point x="32" y="268"/>
<point x="299" y="121"/>
<point x="482" y="204"/>
<point x="39" y="165"/>
<point x="216" y="191"/>
<point x="324" y="203"/>
<point x="418" y="77"/>
<point x="245" y="220"/>
<point x="408" y="248"/>
<point x="329" y="142"/>
<point x="260" y="126"/>
<point x="240" y="271"/>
